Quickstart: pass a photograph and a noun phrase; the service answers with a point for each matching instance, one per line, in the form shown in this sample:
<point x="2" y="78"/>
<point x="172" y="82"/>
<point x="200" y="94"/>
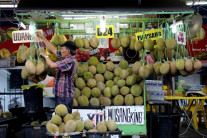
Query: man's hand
<point x="43" y="54"/>
<point x="39" y="34"/>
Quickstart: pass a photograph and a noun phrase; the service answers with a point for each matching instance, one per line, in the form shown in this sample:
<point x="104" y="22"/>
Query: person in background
<point x="63" y="86"/>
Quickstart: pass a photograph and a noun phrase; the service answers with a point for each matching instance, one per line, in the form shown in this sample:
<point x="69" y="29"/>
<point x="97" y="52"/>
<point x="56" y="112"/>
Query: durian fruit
<point x="2" y="36"/>
<point x="9" y="32"/>
<point x="150" y="68"/>
<point x="59" y="39"/>
<point x="79" y="42"/>
<point x="40" y="66"/>
<point x="94" y="42"/>
<point x="67" y="117"/>
<point x="170" y="43"/>
<point x="118" y="100"/>
<point x="111" y="125"/>
<point x="125" y="41"/>
<point x="169" y="53"/>
<point x="56" y="119"/>
<point x="164" y="68"/>
<point x="21" y="56"/>
<point x="161" y="44"/>
<point x="173" y="69"/>
<point x="148" y="44"/>
<point x="44" y="123"/>
<point x="31" y="66"/>
<point x="88" y="124"/>
<point x="138" y="45"/>
<point x="144" y="72"/>
<point x="132" y="44"/>
<point x="184" y="73"/>
<point x="24" y="73"/>
<point x="86" y="43"/>
<point x="188" y="65"/>
<point x="180" y="64"/>
<point x="156" y="67"/>
<point x="70" y="126"/>
<point x="62" y="128"/>
<point x="197" y="65"/>
<point x="80" y="126"/>
<point x="6" y="52"/>
<point x="101" y="128"/>
<point x="52" y="128"/>
<point x="7" y="114"/>
<point x="31" y="51"/>
<point x="116" y="43"/>
<point x="76" y="115"/>
<point x="159" y="54"/>
<point x="61" y="110"/>
<point x="34" y="123"/>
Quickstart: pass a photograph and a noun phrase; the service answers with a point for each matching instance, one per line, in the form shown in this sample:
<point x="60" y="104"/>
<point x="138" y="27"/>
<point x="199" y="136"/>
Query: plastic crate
<point x="66" y="135"/>
<point x="106" y="134"/>
<point x="35" y="131"/>
<point x="3" y="131"/>
<point x="6" y="62"/>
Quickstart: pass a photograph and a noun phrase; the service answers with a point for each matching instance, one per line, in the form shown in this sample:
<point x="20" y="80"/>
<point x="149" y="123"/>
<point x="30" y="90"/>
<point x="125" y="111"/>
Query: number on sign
<point x="110" y="31"/>
<point x="99" y="32"/>
<point x="105" y="32"/>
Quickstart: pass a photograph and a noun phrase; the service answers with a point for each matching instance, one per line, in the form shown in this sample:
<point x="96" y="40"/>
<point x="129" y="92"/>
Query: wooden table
<point x="193" y="105"/>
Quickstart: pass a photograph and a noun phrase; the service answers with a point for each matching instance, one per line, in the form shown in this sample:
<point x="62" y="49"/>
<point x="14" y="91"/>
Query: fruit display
<point x="202" y="56"/>
<point x="82" y="55"/>
<point x="104" y="84"/>
<point x="64" y="122"/>
<point x="5" y="52"/>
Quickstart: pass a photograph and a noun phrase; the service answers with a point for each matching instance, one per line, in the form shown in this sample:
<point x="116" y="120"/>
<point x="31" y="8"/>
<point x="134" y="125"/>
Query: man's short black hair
<point x="70" y="45"/>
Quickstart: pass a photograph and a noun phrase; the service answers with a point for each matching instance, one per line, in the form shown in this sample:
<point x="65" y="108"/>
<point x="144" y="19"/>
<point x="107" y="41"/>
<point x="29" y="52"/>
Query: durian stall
<point x="112" y="81"/>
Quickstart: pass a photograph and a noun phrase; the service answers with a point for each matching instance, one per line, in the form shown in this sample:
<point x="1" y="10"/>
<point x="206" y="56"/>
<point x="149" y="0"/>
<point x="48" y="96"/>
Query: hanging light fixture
<point x="103" y="23"/>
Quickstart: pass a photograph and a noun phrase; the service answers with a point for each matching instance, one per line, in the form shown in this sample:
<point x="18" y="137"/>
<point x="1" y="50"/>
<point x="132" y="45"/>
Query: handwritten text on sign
<point x="96" y="115"/>
<point x="150" y="34"/>
<point x="125" y="115"/>
<point x="108" y="33"/>
<point x="24" y="37"/>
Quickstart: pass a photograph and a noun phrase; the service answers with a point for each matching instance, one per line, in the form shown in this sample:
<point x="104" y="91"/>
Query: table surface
<point x="183" y="98"/>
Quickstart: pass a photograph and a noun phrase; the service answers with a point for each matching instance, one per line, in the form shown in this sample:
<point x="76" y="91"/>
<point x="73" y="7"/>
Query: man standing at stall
<point x="63" y="86"/>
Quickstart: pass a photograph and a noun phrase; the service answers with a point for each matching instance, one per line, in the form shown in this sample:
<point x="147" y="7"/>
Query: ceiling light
<point x="8" y="6"/>
<point x="197" y="3"/>
<point x="103" y="23"/>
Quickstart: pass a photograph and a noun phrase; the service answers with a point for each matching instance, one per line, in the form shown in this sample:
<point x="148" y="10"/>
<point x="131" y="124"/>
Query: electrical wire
<point x="9" y="19"/>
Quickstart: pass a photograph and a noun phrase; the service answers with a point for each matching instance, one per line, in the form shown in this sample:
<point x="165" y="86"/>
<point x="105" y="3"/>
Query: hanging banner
<point x="181" y="38"/>
<point x="125" y="115"/>
<point x="108" y="33"/>
<point x="24" y="36"/>
<point x="150" y="34"/>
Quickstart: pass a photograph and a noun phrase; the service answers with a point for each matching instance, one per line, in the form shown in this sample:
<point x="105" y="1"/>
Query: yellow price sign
<point x="108" y="33"/>
<point x="150" y="34"/>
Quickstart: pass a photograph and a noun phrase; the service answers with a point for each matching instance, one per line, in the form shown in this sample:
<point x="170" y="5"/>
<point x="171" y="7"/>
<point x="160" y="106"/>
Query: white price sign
<point x="96" y="115"/>
<point x="25" y="37"/>
<point x="125" y="115"/>
<point x="103" y="42"/>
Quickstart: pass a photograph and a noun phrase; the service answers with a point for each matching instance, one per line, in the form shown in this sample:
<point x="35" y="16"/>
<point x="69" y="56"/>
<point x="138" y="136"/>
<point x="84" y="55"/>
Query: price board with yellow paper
<point x="154" y="35"/>
<point x="108" y="33"/>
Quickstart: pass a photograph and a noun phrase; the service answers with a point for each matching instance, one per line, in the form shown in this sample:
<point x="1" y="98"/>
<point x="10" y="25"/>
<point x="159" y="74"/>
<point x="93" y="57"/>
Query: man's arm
<point x="47" y="43"/>
<point x="51" y="64"/>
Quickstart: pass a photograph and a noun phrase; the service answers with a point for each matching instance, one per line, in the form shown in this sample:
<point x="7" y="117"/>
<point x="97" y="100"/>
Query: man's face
<point x="65" y="52"/>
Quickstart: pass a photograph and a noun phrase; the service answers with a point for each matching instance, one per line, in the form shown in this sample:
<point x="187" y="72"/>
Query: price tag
<point x="108" y="33"/>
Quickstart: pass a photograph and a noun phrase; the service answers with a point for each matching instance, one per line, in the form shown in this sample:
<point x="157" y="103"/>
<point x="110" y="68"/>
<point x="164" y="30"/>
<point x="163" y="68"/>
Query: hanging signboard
<point x="96" y="115"/>
<point x="181" y="38"/>
<point x="103" y="43"/>
<point x="125" y="115"/>
<point x="90" y="28"/>
<point x="150" y="34"/>
<point x="24" y="36"/>
<point x="108" y="33"/>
